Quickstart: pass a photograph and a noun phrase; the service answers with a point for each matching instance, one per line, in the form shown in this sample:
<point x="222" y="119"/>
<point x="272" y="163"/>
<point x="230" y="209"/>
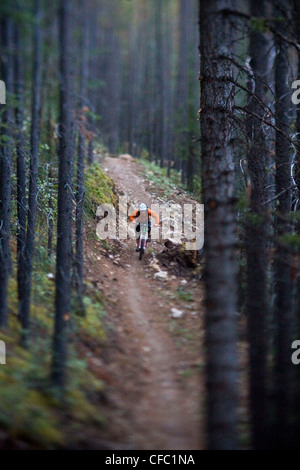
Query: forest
<point x="169" y="103"/>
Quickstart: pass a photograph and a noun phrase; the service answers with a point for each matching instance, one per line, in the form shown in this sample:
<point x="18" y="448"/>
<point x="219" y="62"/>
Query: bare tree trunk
<point x="256" y="234"/>
<point x="50" y="221"/>
<point x="158" y="80"/>
<point x="24" y="304"/>
<point x="78" y="271"/>
<point x="64" y="223"/>
<point x="296" y="391"/>
<point x="90" y="152"/>
<point x="114" y="76"/>
<point x="5" y="167"/>
<point x="21" y="165"/>
<point x="166" y="85"/>
<point x="181" y="106"/>
<point x="218" y="197"/>
<point x="51" y="179"/>
<point x="190" y="166"/>
<point x="283" y="284"/>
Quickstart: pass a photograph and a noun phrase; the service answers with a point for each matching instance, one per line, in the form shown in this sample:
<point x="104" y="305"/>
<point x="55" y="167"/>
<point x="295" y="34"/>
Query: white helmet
<point x="142" y="207"/>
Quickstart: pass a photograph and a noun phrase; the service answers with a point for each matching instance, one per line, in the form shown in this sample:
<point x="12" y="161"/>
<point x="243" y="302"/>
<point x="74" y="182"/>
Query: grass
<point x="183" y="336"/>
<point x="158" y="176"/>
<point x="184" y="295"/>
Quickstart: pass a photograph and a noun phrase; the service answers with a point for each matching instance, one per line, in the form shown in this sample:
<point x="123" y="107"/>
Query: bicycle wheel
<point x="141" y="250"/>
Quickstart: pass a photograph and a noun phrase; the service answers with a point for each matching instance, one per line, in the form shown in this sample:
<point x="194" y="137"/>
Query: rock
<point x="183" y="281"/>
<point x="126" y="156"/>
<point x="156" y="267"/>
<point x="162" y="275"/>
<point x="176" y="313"/>
<point x="189" y="306"/>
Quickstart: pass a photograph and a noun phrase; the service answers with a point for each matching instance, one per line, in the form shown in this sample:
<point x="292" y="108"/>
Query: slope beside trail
<point x="152" y="363"/>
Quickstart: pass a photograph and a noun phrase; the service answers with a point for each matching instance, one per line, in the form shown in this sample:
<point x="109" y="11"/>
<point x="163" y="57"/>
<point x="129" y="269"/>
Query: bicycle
<point x="143" y="238"/>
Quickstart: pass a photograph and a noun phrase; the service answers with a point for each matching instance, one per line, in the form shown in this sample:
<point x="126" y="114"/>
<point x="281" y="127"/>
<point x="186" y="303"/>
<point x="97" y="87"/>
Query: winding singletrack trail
<point x="153" y="362"/>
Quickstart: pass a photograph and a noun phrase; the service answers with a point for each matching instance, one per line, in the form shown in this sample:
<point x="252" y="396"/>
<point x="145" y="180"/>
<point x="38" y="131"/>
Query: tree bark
<point x="283" y="284"/>
<point x="64" y="222"/>
<point x="5" y="166"/>
<point x="21" y="165"/>
<point x="25" y="297"/>
<point x="218" y="198"/>
<point x="256" y="236"/>
<point x="181" y="107"/>
<point x="158" y="79"/>
<point x="80" y="170"/>
<point x="296" y="388"/>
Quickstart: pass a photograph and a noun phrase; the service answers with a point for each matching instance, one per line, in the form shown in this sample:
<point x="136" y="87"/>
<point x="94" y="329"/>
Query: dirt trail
<point x="156" y="405"/>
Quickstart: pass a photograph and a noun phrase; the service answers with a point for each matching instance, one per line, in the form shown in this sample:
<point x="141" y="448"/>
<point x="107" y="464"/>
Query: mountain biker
<point x="142" y="214"/>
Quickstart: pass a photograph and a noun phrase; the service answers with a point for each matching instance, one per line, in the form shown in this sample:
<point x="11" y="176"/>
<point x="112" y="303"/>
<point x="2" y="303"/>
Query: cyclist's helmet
<point x="142" y="207"/>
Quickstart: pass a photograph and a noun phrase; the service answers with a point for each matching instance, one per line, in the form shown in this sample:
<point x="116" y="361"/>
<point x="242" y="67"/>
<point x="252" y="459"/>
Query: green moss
<point x="99" y="189"/>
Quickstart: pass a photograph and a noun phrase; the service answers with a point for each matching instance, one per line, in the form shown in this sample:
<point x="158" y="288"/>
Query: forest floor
<point x="152" y="363"/>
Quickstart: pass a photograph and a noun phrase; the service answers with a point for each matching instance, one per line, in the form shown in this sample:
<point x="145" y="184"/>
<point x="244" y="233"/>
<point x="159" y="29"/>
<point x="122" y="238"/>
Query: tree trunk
<point x="5" y="167"/>
<point x="218" y="198"/>
<point x="90" y="152"/>
<point x="64" y="222"/>
<point x="114" y="88"/>
<point x="158" y="79"/>
<point x="181" y="107"/>
<point x="51" y="178"/>
<point x="24" y="305"/>
<point x="80" y="171"/>
<point x="283" y="284"/>
<point x="296" y="391"/>
<point x="256" y="235"/>
<point x="21" y="165"/>
<point x="166" y="85"/>
<point x="190" y="166"/>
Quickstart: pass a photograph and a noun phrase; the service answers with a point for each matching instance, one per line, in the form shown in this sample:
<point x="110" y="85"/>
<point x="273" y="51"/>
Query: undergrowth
<point x="30" y="410"/>
<point x="158" y="176"/>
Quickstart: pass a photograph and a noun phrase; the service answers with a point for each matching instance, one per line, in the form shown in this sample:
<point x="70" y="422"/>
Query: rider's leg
<point x="137" y="229"/>
<point x="149" y="232"/>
